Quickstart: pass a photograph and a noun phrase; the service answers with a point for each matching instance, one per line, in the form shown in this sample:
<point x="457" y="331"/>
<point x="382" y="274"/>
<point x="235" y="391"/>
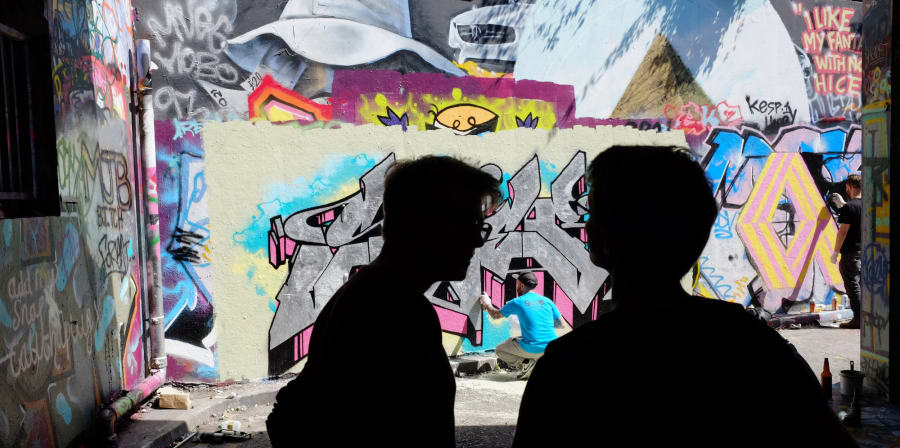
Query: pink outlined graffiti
<point x="697" y="119"/>
<point x="322" y="244"/>
<point x="731" y="267"/>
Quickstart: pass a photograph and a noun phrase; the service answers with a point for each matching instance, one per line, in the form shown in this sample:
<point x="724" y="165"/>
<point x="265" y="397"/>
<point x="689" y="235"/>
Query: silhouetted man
<point x="538" y="319"/>
<point x="848" y="243"/>
<point x="434" y="210"/>
<point x="664" y="368"/>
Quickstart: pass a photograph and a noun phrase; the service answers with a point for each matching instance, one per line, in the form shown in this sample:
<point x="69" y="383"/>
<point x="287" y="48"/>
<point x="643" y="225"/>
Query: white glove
<point x="837" y="200"/>
<point x="485" y="300"/>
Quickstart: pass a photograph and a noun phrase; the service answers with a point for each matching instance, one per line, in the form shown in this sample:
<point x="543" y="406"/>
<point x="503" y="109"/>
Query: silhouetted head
<point x="434" y="210"/>
<point x="651" y="211"/>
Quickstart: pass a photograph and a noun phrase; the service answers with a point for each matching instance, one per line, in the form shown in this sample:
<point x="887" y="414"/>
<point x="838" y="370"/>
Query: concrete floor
<point x="253" y="421"/>
<point x="487" y="405"/>
<point x="815" y="344"/>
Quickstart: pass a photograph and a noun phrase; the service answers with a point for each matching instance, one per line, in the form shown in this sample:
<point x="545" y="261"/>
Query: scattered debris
<point x="222" y="435"/>
<point x="184" y="439"/>
<point x="230" y="425"/>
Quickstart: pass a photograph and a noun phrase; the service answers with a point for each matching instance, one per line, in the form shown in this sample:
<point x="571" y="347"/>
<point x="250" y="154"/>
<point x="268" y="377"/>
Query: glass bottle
<point x="826" y="381"/>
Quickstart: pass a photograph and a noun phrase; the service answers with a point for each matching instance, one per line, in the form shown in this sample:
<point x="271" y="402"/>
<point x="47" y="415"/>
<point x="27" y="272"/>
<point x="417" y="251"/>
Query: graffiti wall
<point x="71" y="307"/>
<point x="185" y="254"/>
<point x="876" y="126"/>
<point x="316" y="219"/>
<point x="774" y="236"/>
<point x="767" y="95"/>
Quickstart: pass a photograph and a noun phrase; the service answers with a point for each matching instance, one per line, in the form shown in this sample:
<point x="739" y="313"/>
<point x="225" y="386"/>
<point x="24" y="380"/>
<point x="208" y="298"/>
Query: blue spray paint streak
<point x="840" y="166"/>
<point x="504" y="186"/>
<point x="189" y="197"/>
<point x="829" y="297"/>
<point x="105" y="320"/>
<point x="63" y="408"/>
<point x="833" y="141"/>
<point x="187" y="298"/>
<point x="123" y="291"/>
<point x="70" y="253"/>
<point x="285" y="199"/>
<point x="721" y="166"/>
<point x="492" y="335"/>
<point x="207" y="372"/>
<point x="5" y="318"/>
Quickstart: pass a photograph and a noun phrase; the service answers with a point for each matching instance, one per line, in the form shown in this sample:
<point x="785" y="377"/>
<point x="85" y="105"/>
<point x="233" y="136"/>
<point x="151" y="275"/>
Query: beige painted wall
<point x="243" y="159"/>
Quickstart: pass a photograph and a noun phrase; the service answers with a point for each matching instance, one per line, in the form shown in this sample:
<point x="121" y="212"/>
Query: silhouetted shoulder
<point x="694" y="360"/>
<point x="686" y="316"/>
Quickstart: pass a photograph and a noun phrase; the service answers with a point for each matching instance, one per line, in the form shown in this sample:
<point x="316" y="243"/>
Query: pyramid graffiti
<point x="661" y="79"/>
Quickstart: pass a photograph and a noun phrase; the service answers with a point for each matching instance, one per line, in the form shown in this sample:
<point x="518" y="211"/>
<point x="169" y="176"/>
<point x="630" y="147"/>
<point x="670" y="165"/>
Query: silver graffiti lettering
<point x="322" y="244"/>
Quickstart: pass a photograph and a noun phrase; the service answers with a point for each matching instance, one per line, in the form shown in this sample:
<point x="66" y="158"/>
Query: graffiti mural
<point x="211" y="59"/>
<point x="273" y="102"/>
<point x="60" y="350"/>
<point x="765" y="94"/>
<point x="876" y="244"/>
<point x="71" y="300"/>
<point x="775" y="233"/>
<point x="699" y="119"/>
<point x="547" y="234"/>
<point x="827" y="38"/>
<point x="185" y="257"/>
<point x="876" y="238"/>
<point x="771" y="114"/>
<point x="465" y="106"/>
<point x="486" y="37"/>
<point x="690" y="50"/>
<point x="318" y="220"/>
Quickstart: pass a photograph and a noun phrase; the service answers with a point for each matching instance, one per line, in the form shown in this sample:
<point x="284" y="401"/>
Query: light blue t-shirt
<point x="536" y="316"/>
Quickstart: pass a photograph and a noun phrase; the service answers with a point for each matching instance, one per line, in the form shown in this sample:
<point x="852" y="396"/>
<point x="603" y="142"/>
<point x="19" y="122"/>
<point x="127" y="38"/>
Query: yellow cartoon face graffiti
<point x="464" y="119"/>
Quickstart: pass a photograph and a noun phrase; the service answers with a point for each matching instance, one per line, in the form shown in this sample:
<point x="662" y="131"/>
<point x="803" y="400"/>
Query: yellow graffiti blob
<point x="421" y="109"/>
<point x="472" y="69"/>
<point x="463" y="117"/>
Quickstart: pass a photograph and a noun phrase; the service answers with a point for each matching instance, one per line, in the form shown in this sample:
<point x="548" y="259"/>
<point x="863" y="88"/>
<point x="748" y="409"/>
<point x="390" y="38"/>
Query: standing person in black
<point x="848" y="243"/>
<point x="434" y="209"/>
<point x="664" y="368"/>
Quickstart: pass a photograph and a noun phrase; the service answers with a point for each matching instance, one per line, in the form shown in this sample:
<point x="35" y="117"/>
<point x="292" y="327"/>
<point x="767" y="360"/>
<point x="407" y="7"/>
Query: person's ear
<point x="600" y="246"/>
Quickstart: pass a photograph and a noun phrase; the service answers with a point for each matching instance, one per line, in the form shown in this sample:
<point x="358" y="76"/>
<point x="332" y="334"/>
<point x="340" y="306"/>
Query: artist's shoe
<point x="853" y="324"/>
<point x="527" y="367"/>
<point x="503" y="365"/>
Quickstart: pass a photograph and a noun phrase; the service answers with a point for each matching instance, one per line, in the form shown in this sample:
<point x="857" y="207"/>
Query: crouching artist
<point x="538" y="318"/>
